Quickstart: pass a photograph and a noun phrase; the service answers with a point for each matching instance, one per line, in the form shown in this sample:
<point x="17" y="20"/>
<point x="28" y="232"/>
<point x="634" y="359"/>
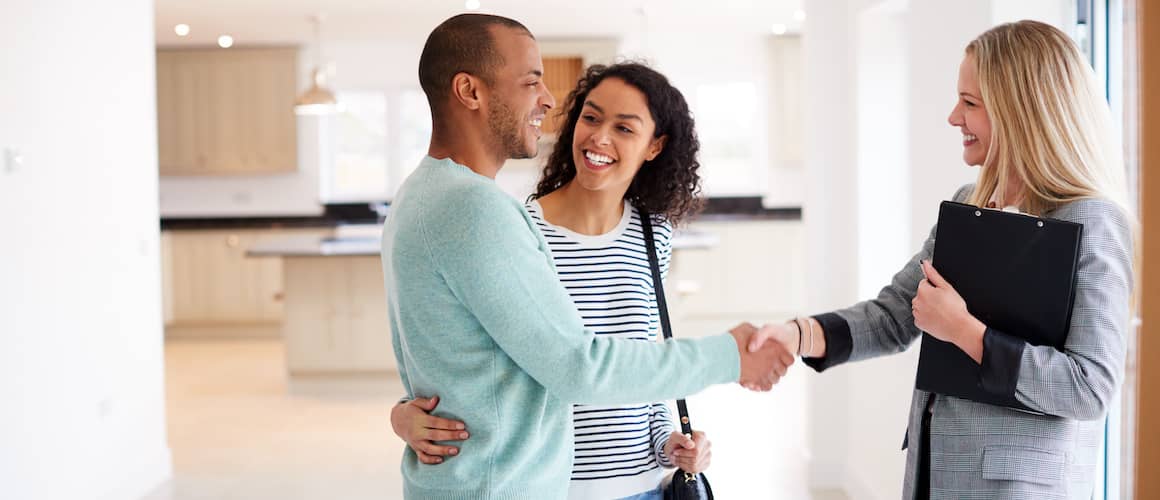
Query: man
<point x="478" y="315"/>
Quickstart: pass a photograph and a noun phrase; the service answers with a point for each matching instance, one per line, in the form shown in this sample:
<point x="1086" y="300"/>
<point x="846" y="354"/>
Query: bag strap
<point x="662" y="306"/>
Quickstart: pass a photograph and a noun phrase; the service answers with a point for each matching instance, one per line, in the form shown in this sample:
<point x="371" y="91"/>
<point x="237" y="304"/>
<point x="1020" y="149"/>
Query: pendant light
<point x="318" y="99"/>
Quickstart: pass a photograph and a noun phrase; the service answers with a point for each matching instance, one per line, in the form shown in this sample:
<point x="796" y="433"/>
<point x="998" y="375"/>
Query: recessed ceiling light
<point x="181" y="29"/>
<point x="778" y="29"/>
<point x="472" y="5"/>
<point x="225" y="41"/>
<point x="799" y="15"/>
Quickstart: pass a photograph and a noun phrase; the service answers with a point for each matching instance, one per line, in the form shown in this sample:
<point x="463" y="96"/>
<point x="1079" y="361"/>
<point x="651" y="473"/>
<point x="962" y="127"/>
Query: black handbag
<point x="684" y="486"/>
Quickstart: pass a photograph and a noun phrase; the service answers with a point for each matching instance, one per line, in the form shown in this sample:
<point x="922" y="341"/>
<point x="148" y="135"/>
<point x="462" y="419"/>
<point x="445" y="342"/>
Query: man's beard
<point x="505" y="127"/>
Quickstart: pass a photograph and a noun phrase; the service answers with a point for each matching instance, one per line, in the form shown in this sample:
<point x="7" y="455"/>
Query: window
<point x="379" y="137"/>
<point x="413" y="137"/>
<point x="1107" y="39"/>
<point x="729" y="135"/>
<point x="359" y="171"/>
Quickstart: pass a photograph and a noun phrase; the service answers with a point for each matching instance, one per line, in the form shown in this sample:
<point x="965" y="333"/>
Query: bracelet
<point x="803" y="348"/>
<point x="811" y="325"/>
<point x="806" y="348"/>
<point x="799" y="329"/>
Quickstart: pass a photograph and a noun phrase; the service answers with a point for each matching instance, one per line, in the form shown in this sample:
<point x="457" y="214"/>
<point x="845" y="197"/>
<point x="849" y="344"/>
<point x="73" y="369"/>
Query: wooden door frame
<point x="1147" y="442"/>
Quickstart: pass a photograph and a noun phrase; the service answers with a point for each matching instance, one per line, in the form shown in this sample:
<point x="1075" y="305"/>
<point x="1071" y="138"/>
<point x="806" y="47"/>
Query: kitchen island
<point x="335" y="306"/>
<point x="335" y="320"/>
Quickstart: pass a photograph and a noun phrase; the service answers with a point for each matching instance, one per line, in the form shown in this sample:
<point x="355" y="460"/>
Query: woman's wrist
<point x="815" y="339"/>
<point x="664" y="455"/>
<point x="969" y="337"/>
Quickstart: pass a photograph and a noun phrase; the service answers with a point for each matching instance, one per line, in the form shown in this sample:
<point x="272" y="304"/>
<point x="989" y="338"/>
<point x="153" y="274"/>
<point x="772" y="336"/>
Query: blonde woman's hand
<point x="691" y="455"/>
<point x="785" y="333"/>
<point x="412" y="421"/>
<point x="940" y="311"/>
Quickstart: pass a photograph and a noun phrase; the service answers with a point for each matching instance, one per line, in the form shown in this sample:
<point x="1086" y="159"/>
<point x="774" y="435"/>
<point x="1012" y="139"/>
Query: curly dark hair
<point x="667" y="187"/>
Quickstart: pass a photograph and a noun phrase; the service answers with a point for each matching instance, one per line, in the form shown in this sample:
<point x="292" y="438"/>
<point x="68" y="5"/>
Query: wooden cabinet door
<point x="336" y="316"/>
<point x="183" y="88"/>
<point x="226" y="111"/>
<point x="213" y="282"/>
<point x="271" y="143"/>
<point x="560" y="76"/>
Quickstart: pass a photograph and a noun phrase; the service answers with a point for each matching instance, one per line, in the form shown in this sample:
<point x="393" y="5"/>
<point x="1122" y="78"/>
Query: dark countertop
<point x="364" y="246"/>
<point x="716" y="210"/>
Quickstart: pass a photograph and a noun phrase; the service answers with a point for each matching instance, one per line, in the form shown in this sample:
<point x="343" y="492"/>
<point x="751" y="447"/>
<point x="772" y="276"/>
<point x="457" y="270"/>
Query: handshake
<point x="763" y="363"/>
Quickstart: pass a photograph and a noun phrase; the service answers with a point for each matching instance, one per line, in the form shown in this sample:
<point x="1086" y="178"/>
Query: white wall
<point x="81" y="378"/>
<point x="1057" y="13"/>
<point x="876" y="464"/>
<point x="935" y="51"/>
<point x="785" y="114"/>
<point x="829" y="214"/>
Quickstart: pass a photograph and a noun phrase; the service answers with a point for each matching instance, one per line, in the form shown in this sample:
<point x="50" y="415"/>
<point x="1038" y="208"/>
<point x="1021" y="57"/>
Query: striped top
<point x="619" y="449"/>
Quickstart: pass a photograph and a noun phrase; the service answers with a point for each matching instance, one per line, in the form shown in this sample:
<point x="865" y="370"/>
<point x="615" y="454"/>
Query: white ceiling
<point x="288" y="21"/>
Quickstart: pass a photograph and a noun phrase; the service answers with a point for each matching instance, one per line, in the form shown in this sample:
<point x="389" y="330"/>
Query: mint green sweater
<point x="479" y="318"/>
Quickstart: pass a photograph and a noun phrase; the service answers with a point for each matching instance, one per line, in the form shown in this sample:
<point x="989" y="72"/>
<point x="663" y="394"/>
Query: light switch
<point x="13" y="160"/>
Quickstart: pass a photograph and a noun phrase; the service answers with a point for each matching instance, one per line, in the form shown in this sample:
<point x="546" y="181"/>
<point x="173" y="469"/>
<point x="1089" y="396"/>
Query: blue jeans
<point x="656" y="494"/>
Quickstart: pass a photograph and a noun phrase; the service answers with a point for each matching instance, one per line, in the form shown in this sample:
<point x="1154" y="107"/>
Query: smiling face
<point x="519" y="99"/>
<point x="613" y="137"/>
<point x="970" y="116"/>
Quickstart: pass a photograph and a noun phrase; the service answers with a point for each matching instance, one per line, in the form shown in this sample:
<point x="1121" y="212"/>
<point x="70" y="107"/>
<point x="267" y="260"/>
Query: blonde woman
<point x="1033" y="118"/>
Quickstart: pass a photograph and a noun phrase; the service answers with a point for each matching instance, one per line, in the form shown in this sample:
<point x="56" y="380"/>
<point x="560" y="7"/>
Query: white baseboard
<point x="142" y="479"/>
<point x="856" y="487"/>
<point x="838" y="476"/>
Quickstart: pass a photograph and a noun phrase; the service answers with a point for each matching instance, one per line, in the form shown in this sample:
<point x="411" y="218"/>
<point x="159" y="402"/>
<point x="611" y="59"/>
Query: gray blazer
<point x="980" y="451"/>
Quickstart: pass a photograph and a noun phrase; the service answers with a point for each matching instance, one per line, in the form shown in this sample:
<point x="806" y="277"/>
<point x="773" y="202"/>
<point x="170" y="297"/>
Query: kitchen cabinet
<point x="755" y="272"/>
<point x="209" y="281"/>
<point x="223" y="112"/>
<point x="560" y="76"/>
<point x="336" y="316"/>
<point x="335" y="303"/>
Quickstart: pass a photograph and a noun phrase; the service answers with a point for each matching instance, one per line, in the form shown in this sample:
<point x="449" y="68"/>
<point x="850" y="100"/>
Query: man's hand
<point x="760" y="369"/>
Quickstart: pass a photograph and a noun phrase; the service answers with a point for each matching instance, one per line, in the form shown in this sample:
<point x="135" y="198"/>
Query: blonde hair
<point x="1051" y="129"/>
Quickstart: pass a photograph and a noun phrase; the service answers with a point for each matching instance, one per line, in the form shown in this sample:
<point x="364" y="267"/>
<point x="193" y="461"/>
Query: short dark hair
<point x="669" y="186"/>
<point x="461" y="44"/>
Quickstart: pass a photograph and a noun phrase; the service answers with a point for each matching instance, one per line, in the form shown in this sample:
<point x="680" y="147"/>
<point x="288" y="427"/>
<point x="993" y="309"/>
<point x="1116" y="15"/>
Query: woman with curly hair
<point x="627" y="147"/>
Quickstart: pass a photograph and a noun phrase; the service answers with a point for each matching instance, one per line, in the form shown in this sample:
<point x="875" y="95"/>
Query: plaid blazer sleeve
<point x="883" y="325"/>
<point x="1079" y="381"/>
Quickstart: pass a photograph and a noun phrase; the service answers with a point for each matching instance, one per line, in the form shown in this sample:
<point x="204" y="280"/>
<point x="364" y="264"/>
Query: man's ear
<point x="655" y="147"/>
<point x="465" y="89"/>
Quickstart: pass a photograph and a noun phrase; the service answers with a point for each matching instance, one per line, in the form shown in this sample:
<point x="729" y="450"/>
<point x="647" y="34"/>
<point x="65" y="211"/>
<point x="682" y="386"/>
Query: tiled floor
<point x="238" y="432"/>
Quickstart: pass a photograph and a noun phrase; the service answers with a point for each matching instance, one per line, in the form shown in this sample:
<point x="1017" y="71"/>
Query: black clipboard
<point x="1016" y="273"/>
